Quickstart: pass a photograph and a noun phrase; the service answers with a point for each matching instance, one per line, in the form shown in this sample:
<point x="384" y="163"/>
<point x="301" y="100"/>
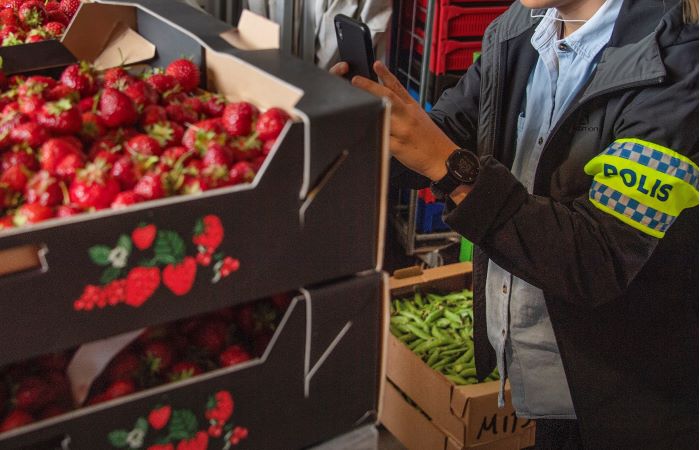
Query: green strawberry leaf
<point x="183" y="424"/>
<point x="110" y="274"/>
<point x="99" y="254"/>
<point x="198" y="227"/>
<point x="118" y="438"/>
<point x="169" y="247"/>
<point x="124" y="242"/>
<point x="141" y="424"/>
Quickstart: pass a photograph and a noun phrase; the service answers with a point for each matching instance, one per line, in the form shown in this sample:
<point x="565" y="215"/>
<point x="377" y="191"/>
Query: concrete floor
<point x="387" y="441"/>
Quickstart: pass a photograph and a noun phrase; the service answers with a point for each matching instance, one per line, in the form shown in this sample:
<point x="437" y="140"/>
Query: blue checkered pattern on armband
<point x="656" y="160"/>
<point x="620" y="203"/>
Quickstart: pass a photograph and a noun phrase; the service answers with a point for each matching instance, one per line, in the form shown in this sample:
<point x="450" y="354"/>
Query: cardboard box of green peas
<point x="430" y="367"/>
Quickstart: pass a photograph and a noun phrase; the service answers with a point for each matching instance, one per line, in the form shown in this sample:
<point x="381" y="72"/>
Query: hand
<point x="416" y="141"/>
<point x="340" y="69"/>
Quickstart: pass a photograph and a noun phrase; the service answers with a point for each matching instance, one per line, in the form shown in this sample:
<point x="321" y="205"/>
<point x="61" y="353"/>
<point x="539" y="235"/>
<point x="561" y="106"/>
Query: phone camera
<point x="340" y="31"/>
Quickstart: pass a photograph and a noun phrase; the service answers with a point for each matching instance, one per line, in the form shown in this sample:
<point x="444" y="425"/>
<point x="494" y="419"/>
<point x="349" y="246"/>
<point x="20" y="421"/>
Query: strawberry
<point x="241" y="172"/>
<point x="210" y="337"/>
<point x="69" y="166"/>
<point x="55" y="28"/>
<point x="125" y="366"/>
<point x="52" y="411"/>
<point x="61" y="91"/>
<point x="87" y="104"/>
<point x="150" y="187"/>
<point x="179" y="278"/>
<point x="219" y="407"/>
<point x="181" y="113"/>
<point x="281" y="302"/>
<point x="93" y="187"/>
<point x="217" y="155"/>
<point x="167" y="446"/>
<point x="195" y="185"/>
<point x="142" y="94"/>
<point x="232" y="355"/>
<point x="119" y="388"/>
<point x="6" y="222"/>
<point x="69" y="7"/>
<point x="173" y="156"/>
<point x="58" y="382"/>
<point x="60" y="117"/>
<point x="185" y="72"/>
<point x="159" y="417"/>
<point x="44" y="190"/>
<point x="116" y="108"/>
<point x="141" y="283"/>
<point x="270" y="123"/>
<point x="209" y="232"/>
<point x="162" y="82"/>
<point x="112" y="76"/>
<point x="32" y="13"/>
<point x="143" y="236"/>
<point x="33" y="393"/>
<point x="8" y="16"/>
<point x="238" y="118"/>
<point x="35" y="36"/>
<point x="93" y="126"/>
<point x="54" y="150"/>
<point x="200" y="441"/>
<point x="58" y="17"/>
<point x="267" y="147"/>
<point x="13" y="4"/>
<point x="167" y="133"/>
<point x="212" y="104"/>
<point x="153" y="114"/>
<point x="125" y="199"/>
<point x="30" y="105"/>
<point x="246" y="320"/>
<point x="184" y="370"/>
<point x="159" y="355"/>
<point x="80" y="77"/>
<point x="124" y="171"/>
<point x="52" y="5"/>
<point x="67" y="211"/>
<point x="15" y="419"/>
<point x="15" y="178"/>
<point x="144" y="145"/>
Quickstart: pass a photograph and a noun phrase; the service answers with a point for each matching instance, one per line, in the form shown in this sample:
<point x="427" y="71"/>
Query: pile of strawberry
<point x="28" y="21"/>
<point x="37" y="389"/>
<point x="95" y="140"/>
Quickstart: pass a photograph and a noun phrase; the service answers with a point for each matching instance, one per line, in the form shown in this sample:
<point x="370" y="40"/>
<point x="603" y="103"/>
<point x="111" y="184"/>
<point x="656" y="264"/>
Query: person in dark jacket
<point x="579" y="187"/>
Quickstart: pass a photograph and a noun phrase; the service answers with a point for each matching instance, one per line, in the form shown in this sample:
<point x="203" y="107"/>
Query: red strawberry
<point x="58" y="17"/>
<point x="209" y="232"/>
<point x="176" y="155"/>
<point x="124" y="171"/>
<point x="60" y="117"/>
<point x="32" y="213"/>
<point x="185" y="72"/>
<point x="8" y="16"/>
<point x="93" y="187"/>
<point x="93" y="126"/>
<point x="30" y="133"/>
<point x="32" y="13"/>
<point x="270" y="123"/>
<point x="200" y="441"/>
<point x="112" y="76"/>
<point x="58" y="383"/>
<point x="161" y="447"/>
<point x="211" y="336"/>
<point x="245" y="319"/>
<point x="119" y="388"/>
<point x="125" y="199"/>
<point x="70" y="165"/>
<point x="81" y="78"/>
<point x="153" y="114"/>
<point x="54" y="150"/>
<point x="141" y="283"/>
<point x="124" y="366"/>
<point x="36" y="35"/>
<point x="238" y="118"/>
<point x="159" y="354"/>
<point x="32" y="394"/>
<point x="167" y="133"/>
<point x="44" y="190"/>
<point x="200" y="134"/>
<point x="181" y="113"/>
<point x="116" y="108"/>
<point x="281" y="302"/>
<point x="179" y="278"/>
<point x="234" y="354"/>
<point x="52" y="5"/>
<point x="184" y="370"/>
<point x="217" y="155"/>
<point x="241" y="172"/>
<point x="144" y="236"/>
<point x="87" y="104"/>
<point x="30" y="105"/>
<point x="150" y="187"/>
<point x="13" y="4"/>
<point x="159" y="417"/>
<point x="61" y="91"/>
<point x="6" y="222"/>
<point x="267" y="147"/>
<point x="220" y="407"/>
<point x="162" y="82"/>
<point x="143" y="144"/>
<point x="213" y="105"/>
<point x="55" y="29"/>
<point x="15" y="178"/>
<point x="15" y="419"/>
<point x="142" y="94"/>
<point x="67" y="211"/>
<point x="69" y="7"/>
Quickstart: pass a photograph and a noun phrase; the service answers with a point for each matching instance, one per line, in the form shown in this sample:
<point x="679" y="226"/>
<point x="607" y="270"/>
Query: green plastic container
<point x="466" y="250"/>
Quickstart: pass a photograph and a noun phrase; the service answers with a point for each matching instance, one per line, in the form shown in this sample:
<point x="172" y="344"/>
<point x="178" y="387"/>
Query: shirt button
<point x="503" y="332"/>
<point x="540" y="140"/>
<point x="505" y="289"/>
<point x="563" y="47"/>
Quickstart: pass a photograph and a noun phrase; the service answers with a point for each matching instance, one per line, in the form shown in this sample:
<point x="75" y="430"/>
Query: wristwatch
<point x="462" y="168"/>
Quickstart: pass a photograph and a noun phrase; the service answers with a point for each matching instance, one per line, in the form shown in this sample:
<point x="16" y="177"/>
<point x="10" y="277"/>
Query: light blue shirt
<point x="519" y="327"/>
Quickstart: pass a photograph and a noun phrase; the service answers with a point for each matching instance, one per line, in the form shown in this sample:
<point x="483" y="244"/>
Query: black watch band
<point x="462" y="168"/>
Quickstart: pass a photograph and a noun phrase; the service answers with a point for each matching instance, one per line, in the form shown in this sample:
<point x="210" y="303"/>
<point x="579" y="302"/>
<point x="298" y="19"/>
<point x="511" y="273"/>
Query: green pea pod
<point x="416" y="343"/>
<point x="426" y="345"/>
<point x="395" y="331"/>
<point x="434" y="315"/>
<point x="434" y="357"/>
<point x="468" y="372"/>
<point x="443" y="323"/>
<point x="399" y="320"/>
<point x="452" y="317"/>
<point x="408" y="337"/>
<point x="456" y="379"/>
<point x="418" y="331"/>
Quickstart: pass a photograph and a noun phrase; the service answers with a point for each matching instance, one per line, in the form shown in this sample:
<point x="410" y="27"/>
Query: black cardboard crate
<point x="318" y="378"/>
<point x="312" y="214"/>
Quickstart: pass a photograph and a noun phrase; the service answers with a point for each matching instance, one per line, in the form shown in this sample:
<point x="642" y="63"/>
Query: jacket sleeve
<point x="456" y="113"/>
<point x="589" y="250"/>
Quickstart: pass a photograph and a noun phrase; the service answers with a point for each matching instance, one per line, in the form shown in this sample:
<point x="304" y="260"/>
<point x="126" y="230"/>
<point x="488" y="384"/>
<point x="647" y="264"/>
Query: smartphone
<point x="355" y="46"/>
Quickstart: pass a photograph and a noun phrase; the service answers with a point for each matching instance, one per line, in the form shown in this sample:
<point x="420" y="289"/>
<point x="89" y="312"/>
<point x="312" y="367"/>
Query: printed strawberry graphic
<point x="141" y="283"/>
<point x="179" y="278"/>
<point x="159" y="417"/>
<point x="219" y="407"/>
<point x="200" y="441"/>
<point x="144" y="236"/>
<point x="208" y="232"/>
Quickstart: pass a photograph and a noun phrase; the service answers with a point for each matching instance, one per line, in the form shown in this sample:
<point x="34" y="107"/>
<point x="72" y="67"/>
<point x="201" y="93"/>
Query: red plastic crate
<point x="456" y="21"/>
<point x="454" y="56"/>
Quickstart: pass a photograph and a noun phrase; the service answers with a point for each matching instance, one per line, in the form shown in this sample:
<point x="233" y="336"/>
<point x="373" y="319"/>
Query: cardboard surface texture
<point x="461" y="416"/>
<point x="254" y="32"/>
<point x="286" y="223"/>
<point x="317" y="379"/>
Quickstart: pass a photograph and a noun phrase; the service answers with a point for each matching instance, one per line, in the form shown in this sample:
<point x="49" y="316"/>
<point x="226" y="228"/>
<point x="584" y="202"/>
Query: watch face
<point x="463" y="166"/>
